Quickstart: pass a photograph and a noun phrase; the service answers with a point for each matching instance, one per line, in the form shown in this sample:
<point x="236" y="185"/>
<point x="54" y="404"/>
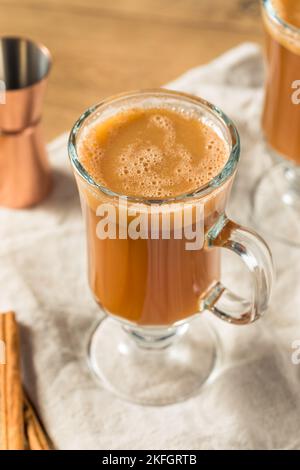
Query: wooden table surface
<point x="102" y="47"/>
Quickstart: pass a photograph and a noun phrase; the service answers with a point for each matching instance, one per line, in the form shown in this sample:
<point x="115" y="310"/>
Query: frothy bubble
<point x="160" y="153"/>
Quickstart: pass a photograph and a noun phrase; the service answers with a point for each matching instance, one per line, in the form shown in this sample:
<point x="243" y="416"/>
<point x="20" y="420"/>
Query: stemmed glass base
<point x="276" y="203"/>
<point x="153" y="366"/>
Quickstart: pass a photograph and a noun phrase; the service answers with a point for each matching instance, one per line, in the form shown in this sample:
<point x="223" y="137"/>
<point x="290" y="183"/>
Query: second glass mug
<point x="154" y="346"/>
<point x="277" y="195"/>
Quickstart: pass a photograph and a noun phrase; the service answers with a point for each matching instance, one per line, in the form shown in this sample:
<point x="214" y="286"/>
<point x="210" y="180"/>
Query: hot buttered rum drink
<point x="281" y="119"/>
<point x="151" y="154"/>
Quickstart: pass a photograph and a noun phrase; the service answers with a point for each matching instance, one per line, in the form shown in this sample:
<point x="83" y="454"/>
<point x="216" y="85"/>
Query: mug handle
<point x="256" y="255"/>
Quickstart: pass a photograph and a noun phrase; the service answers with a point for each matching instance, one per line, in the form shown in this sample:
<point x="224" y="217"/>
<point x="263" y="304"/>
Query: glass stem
<point x="155" y="338"/>
<point x="292" y="175"/>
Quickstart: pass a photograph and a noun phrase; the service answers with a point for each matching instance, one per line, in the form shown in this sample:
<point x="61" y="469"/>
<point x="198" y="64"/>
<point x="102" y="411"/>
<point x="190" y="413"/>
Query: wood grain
<point x="11" y="395"/>
<point x="102" y="47"/>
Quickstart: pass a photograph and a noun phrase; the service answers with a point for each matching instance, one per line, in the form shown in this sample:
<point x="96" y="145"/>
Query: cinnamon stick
<point x="11" y="394"/>
<point x="34" y="432"/>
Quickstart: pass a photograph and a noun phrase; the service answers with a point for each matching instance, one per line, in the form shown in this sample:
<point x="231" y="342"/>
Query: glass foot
<point x="153" y="366"/>
<point x="276" y="204"/>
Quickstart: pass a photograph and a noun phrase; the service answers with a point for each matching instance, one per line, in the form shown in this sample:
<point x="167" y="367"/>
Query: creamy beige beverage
<point x="281" y="118"/>
<point x="153" y="153"/>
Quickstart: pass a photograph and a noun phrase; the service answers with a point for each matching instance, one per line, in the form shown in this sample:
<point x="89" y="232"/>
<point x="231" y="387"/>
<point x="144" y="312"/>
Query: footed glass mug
<point x="154" y="346"/>
<point x="277" y="195"/>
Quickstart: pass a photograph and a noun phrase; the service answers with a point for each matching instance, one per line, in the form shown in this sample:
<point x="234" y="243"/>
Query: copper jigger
<point x="25" y="176"/>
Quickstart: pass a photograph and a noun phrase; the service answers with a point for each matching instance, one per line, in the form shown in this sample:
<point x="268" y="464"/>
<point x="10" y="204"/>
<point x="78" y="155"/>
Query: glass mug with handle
<point x="277" y="195"/>
<point x="154" y="346"/>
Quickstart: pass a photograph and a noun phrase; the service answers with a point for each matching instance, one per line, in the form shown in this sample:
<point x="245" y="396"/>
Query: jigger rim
<point x="41" y="47"/>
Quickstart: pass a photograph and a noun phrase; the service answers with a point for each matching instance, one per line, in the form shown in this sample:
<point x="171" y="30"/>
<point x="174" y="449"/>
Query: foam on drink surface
<point x="288" y="10"/>
<point x="152" y="153"/>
